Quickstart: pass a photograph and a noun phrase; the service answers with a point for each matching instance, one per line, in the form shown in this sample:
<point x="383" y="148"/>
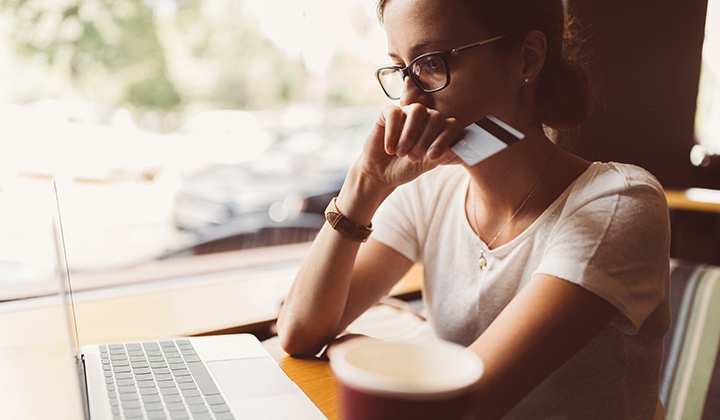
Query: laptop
<point x="220" y="377"/>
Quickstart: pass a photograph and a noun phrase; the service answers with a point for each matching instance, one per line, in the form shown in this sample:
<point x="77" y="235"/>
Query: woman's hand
<point x="407" y="142"/>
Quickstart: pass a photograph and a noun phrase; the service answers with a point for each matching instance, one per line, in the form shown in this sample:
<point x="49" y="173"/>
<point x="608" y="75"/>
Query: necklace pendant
<point x="482" y="262"/>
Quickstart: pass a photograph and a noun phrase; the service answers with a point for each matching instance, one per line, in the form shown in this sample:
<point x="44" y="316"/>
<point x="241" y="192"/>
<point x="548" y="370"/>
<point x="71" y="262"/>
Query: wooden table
<point x="314" y="377"/>
<point x="35" y="364"/>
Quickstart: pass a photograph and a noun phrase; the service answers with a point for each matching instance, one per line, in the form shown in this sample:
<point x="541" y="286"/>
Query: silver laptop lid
<point x="63" y="272"/>
<point x="65" y="291"/>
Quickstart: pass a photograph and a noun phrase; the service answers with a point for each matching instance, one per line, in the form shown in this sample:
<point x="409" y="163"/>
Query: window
<point x="707" y="117"/>
<point x="175" y="128"/>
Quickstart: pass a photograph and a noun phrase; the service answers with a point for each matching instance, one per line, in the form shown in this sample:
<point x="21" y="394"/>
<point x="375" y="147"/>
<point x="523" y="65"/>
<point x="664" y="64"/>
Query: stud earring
<point x="527" y="80"/>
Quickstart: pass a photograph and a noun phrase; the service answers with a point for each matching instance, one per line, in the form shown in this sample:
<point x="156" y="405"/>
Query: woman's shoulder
<point x="631" y="187"/>
<point x="611" y="178"/>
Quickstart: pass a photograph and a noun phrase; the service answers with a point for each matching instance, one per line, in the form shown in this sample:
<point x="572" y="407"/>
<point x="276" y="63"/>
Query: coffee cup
<point x="391" y="380"/>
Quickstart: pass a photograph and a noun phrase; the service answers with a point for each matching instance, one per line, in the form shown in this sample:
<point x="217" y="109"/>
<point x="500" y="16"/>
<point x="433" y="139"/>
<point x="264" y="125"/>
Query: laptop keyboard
<point x="160" y="380"/>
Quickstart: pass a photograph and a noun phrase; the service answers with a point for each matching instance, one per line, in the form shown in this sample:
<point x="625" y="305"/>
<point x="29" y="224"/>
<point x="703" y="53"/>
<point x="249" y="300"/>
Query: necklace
<point x="482" y="261"/>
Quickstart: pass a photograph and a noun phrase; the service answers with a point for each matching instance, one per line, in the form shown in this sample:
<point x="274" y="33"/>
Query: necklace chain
<point x="482" y="261"/>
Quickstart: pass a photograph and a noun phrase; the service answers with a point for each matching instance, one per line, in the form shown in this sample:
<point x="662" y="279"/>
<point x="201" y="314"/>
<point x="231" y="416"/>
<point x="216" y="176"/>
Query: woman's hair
<point x="564" y="95"/>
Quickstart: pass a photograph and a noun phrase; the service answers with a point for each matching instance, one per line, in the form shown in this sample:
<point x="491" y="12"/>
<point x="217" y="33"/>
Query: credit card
<point x="484" y="138"/>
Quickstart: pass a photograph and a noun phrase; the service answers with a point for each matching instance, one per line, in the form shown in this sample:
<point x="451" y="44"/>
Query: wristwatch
<point x="346" y="227"/>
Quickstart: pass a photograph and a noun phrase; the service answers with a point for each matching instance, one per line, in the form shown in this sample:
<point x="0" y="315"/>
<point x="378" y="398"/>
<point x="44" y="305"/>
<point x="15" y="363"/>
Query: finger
<point x="434" y="126"/>
<point x="415" y="119"/>
<point x="441" y="145"/>
<point x="393" y="119"/>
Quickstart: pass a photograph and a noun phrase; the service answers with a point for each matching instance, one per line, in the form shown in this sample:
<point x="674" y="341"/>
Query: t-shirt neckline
<point x="463" y="196"/>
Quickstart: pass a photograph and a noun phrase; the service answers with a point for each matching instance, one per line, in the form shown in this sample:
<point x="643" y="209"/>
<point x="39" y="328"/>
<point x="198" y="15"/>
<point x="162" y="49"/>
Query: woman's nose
<point x="411" y="92"/>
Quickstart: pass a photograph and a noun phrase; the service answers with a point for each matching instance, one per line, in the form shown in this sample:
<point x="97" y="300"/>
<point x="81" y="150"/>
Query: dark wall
<point x="647" y="56"/>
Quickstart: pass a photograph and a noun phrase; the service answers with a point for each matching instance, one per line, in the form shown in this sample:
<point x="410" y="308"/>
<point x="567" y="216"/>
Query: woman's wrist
<point x="361" y="196"/>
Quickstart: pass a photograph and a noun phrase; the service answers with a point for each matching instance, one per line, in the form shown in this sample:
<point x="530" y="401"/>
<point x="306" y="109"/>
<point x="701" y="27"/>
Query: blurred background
<point x="177" y="128"/>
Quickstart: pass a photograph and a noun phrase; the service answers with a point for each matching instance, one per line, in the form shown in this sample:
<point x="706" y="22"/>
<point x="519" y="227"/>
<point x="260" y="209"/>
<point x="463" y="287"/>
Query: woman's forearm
<point x="317" y="301"/>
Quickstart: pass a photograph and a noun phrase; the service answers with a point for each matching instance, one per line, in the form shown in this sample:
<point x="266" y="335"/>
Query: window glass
<point x="707" y="117"/>
<point x="175" y="129"/>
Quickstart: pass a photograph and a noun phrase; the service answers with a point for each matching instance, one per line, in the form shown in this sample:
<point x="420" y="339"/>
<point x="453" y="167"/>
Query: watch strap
<point x="345" y="226"/>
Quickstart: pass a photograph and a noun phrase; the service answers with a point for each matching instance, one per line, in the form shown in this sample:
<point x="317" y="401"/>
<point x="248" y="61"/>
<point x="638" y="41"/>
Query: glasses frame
<point x="444" y="56"/>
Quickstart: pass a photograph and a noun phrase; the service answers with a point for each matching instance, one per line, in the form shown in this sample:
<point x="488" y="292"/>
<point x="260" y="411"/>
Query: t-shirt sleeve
<point x="394" y="222"/>
<point x="616" y="245"/>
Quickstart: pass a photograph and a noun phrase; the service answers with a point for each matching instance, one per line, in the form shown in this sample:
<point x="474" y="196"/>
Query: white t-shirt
<point x="608" y="232"/>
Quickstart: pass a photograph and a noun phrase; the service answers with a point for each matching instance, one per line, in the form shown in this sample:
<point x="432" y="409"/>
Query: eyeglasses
<point x="429" y="71"/>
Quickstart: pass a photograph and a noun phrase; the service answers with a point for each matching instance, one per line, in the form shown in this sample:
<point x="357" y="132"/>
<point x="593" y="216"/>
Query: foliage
<point x="97" y="43"/>
<point x="226" y="60"/>
<point x="120" y="52"/>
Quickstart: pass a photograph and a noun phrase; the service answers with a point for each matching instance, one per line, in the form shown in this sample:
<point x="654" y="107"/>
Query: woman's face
<point x="482" y="81"/>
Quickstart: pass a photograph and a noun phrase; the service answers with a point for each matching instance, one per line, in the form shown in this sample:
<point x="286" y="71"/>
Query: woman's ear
<point x="533" y="53"/>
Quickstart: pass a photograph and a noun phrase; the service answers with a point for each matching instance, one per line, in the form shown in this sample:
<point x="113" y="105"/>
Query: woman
<point x="554" y="270"/>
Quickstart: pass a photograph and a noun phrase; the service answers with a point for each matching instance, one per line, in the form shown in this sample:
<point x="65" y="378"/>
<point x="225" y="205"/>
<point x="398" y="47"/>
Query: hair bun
<point x="564" y="96"/>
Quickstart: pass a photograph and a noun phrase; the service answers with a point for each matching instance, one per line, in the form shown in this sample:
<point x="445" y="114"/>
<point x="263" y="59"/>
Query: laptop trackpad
<point x="257" y="377"/>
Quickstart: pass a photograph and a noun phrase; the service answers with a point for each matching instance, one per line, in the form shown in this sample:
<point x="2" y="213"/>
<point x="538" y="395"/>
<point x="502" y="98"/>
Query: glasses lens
<point x="429" y="72"/>
<point x="391" y="80"/>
